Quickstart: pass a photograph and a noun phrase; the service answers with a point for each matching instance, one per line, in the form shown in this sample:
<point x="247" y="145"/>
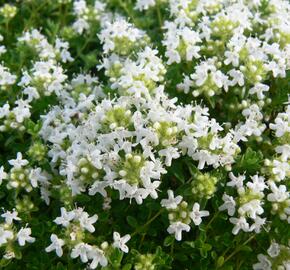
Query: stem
<point x="147" y="223"/>
<point x="172" y="248"/>
<point x="212" y="219"/>
<point x="159" y="16"/>
<point x="238" y="248"/>
<point x="129" y="13"/>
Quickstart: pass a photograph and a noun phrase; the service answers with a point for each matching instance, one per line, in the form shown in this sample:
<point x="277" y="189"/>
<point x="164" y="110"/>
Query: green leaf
<point x="220" y="261"/>
<point x="132" y="221"/>
<point x="250" y="161"/>
<point x="168" y="241"/>
<point x="116" y="258"/>
<point x="246" y="248"/>
<point x="127" y="266"/>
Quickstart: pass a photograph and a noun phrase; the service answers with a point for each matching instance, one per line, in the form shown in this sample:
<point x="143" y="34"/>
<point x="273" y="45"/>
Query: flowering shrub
<point x="147" y="134"/>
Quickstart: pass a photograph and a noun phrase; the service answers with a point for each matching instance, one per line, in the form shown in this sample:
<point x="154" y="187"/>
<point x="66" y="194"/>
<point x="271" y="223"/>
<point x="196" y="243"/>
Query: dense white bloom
<point x="251" y="209"/>
<point x="258" y="183"/>
<point x="116" y="31"/>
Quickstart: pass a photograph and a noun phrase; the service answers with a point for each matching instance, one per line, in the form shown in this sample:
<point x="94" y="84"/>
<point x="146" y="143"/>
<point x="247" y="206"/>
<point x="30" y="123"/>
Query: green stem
<point x="238" y="248"/>
<point x="159" y="16"/>
<point x="147" y="223"/>
<point x="172" y="248"/>
<point x="212" y="219"/>
<point x="129" y="13"/>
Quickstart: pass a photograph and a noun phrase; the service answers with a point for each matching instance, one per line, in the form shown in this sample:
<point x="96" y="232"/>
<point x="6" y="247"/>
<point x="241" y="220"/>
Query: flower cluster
<point x="76" y="223"/>
<point x="180" y="215"/>
<point x="86" y="15"/>
<point x="44" y="50"/>
<point x="223" y="34"/>
<point x="248" y="203"/>
<point x="277" y="258"/>
<point x="9" y="233"/>
<point x="158" y="129"/>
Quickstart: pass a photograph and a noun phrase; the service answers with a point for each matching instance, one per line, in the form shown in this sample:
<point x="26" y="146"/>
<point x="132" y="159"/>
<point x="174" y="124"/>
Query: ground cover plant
<point x="147" y="134"/>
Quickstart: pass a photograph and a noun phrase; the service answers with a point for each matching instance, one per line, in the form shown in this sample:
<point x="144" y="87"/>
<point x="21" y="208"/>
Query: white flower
<point x="21" y="111"/>
<point x="169" y="154"/>
<point x="280" y="169"/>
<point x="98" y="257"/>
<point x="240" y="224"/>
<point x="151" y="188"/>
<point x="258" y="183"/>
<point x="177" y="228"/>
<point x="203" y="157"/>
<point x="56" y="245"/>
<point x="263" y="264"/>
<point x="284" y="150"/>
<point x="229" y="204"/>
<point x="4" y="110"/>
<point x="257" y="225"/>
<point x="120" y="242"/>
<point x="24" y="236"/>
<point x="258" y="89"/>
<point x="3" y="174"/>
<point x="6" y="78"/>
<point x="80" y="25"/>
<point x="171" y="202"/>
<point x="65" y="217"/>
<point x="151" y="170"/>
<point x="281" y="125"/>
<point x="18" y="162"/>
<point x="10" y="216"/>
<point x="232" y="57"/>
<point x="38" y="176"/>
<point x="87" y="222"/>
<point x="274" y="250"/>
<point x="81" y="250"/>
<point x="144" y="4"/>
<point x="5" y="235"/>
<point x="188" y="144"/>
<point x="196" y="214"/>
<point x="279" y="194"/>
<point x="238" y="77"/>
<point x="251" y="209"/>
<point x="237" y="181"/>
